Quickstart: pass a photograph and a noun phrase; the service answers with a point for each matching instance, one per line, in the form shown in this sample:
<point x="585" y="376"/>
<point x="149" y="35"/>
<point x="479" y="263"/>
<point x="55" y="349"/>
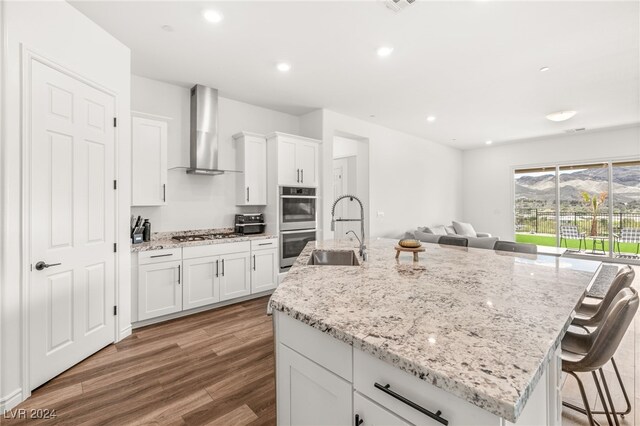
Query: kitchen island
<point x="463" y="336"/>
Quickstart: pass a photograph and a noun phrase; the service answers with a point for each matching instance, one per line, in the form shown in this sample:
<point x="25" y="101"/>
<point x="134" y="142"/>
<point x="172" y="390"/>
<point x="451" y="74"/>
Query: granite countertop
<point x="480" y="324"/>
<point x="163" y="240"/>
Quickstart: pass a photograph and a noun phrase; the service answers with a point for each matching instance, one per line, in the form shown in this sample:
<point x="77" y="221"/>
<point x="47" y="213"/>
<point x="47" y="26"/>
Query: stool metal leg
<point x="604" y="402"/>
<point x="606" y="390"/>
<point x="624" y="392"/>
<point x="586" y="410"/>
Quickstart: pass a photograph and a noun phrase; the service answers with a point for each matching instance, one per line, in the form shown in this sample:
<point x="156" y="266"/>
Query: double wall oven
<point x="297" y="222"/>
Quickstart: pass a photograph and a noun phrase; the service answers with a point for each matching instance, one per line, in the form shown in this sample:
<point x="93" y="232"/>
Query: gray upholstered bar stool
<point x="515" y="247"/>
<point x="589" y="352"/>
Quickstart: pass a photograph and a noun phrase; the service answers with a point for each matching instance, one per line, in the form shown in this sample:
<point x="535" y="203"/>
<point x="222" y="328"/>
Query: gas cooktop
<point x="204" y="237"/>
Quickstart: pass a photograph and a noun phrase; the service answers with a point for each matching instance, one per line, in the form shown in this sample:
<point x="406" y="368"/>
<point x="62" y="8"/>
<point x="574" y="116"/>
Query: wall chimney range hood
<point x="204" y="131"/>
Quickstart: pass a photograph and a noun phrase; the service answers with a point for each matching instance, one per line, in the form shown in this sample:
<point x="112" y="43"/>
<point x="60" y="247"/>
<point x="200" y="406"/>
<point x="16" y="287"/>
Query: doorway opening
<point x="351" y="176"/>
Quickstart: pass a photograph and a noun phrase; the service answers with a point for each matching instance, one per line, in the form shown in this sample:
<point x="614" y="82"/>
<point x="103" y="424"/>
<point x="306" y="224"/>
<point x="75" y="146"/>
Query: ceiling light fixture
<point x="212" y="16"/>
<point x="283" y="67"/>
<point x="543" y="69"/>
<point x="384" y="51"/>
<point x="489" y="142"/>
<point x="431" y="119"/>
<point x="560" y="115"/>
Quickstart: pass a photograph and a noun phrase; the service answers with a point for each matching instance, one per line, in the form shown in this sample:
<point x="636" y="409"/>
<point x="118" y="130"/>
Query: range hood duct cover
<point x="204" y="131"/>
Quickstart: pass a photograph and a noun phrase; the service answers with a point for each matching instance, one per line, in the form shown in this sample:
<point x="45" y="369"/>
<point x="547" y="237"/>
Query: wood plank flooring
<point x="211" y="368"/>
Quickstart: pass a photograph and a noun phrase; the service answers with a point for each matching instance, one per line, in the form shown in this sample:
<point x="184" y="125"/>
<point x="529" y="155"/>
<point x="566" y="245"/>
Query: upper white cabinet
<point x="297" y="160"/>
<point x="251" y="158"/>
<point x="148" y="160"/>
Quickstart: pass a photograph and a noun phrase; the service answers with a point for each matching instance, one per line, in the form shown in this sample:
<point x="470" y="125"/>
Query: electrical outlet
<point x="380" y="214"/>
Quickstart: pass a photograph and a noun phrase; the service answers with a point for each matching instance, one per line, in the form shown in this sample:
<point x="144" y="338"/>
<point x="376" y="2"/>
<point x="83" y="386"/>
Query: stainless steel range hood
<point x="204" y="131"/>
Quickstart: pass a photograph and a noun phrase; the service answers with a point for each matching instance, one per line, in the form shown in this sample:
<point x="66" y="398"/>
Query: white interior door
<point x="344" y="182"/>
<point x="71" y="221"/>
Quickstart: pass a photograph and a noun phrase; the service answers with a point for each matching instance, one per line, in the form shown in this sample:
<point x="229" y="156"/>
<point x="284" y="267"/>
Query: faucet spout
<point x="363" y="253"/>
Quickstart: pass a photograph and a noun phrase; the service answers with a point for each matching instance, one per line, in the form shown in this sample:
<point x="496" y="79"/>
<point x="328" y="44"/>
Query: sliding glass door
<point x="587" y="208"/>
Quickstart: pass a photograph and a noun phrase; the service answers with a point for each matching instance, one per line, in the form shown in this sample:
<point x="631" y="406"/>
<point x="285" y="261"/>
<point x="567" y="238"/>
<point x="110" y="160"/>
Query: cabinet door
<point x="201" y="282"/>
<point x="308" y="394"/>
<point x="255" y="170"/>
<point x="148" y="162"/>
<point x="235" y="280"/>
<point x="264" y="270"/>
<point x="159" y="289"/>
<point x="306" y="161"/>
<point x="288" y="173"/>
<point x="373" y="414"/>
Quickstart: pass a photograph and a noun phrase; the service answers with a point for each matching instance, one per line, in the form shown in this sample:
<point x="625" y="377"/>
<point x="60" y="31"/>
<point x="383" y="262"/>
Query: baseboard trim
<point x="144" y="323"/>
<point x="10" y="401"/>
<point x="125" y="332"/>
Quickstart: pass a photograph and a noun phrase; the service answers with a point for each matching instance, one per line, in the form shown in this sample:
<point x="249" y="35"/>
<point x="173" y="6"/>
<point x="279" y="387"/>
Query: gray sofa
<point x="431" y="234"/>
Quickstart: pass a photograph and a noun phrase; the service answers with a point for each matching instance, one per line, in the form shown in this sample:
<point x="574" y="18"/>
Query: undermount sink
<point x="338" y="258"/>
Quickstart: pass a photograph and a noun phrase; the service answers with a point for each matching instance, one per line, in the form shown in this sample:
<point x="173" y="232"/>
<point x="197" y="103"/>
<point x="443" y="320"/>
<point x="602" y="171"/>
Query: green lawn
<point x="550" y="240"/>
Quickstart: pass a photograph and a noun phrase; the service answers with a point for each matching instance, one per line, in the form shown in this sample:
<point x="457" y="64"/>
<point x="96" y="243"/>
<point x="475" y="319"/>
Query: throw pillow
<point x="465" y="229"/>
<point x="435" y="230"/>
<point x="426" y="238"/>
<point x="449" y="230"/>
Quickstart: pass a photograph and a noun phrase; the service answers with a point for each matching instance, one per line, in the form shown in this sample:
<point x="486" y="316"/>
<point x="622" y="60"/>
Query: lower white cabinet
<point x="235" y="279"/>
<point x="373" y="414"/>
<point x="309" y="394"/>
<point x="201" y="282"/>
<point x="159" y="289"/>
<point x="264" y="270"/>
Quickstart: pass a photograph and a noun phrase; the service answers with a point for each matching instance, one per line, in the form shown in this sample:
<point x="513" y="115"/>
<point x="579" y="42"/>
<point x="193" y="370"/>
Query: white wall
<point x="415" y="182"/>
<point x="63" y="35"/>
<point x="488" y="177"/>
<point x="199" y="202"/>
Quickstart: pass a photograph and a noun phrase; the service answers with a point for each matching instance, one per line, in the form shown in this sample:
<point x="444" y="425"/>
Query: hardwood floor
<point x="213" y="368"/>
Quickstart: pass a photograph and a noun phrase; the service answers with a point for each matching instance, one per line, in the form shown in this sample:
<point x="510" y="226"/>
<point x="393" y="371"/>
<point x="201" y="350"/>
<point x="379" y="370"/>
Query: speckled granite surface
<point x="480" y="324"/>
<point x="163" y="240"/>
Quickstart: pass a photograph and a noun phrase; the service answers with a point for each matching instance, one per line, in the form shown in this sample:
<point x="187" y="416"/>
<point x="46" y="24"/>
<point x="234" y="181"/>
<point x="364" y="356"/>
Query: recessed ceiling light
<point x="431" y="119"/>
<point x="212" y="16"/>
<point x="560" y="115"/>
<point x="167" y="28"/>
<point x="489" y="142"/>
<point x="283" y="66"/>
<point x="372" y="115"/>
<point x="384" y="51"/>
<point x="543" y="69"/>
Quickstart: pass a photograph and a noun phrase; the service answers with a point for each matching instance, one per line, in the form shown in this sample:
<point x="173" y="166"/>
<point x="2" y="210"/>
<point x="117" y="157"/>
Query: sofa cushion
<point x="465" y="229"/>
<point x="435" y="230"/>
<point x="425" y="237"/>
<point x="450" y="230"/>
<point x="482" y="243"/>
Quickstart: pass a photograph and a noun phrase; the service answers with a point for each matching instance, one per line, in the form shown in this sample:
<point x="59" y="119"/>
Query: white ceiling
<point x="474" y="65"/>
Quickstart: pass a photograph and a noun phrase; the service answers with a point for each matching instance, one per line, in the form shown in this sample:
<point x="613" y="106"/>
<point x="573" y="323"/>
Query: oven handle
<point x="298" y="232"/>
<point x="298" y="196"/>
<point x="250" y="224"/>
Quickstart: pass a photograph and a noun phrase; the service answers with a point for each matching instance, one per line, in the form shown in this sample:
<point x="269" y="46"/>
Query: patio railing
<point x="544" y="221"/>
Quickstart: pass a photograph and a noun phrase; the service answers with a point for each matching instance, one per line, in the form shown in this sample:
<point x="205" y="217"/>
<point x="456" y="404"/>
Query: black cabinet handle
<point x="435" y="416"/>
<point x="254" y="262"/>
<point x="247" y="194"/>
<point x="217" y="268"/>
<point x="359" y="420"/>
<point x="301" y="175"/>
<point x="179" y="274"/>
<point x="164" y="192"/>
<point x="298" y="179"/>
<point x="223" y="267"/>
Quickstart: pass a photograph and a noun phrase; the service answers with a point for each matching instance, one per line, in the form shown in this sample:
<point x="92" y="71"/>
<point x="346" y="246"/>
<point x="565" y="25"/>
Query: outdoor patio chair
<point x="628" y="235"/>
<point x="570" y="232"/>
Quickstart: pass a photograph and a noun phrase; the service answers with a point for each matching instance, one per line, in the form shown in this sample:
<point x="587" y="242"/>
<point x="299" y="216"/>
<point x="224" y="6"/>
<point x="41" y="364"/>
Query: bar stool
<point x="590" y="314"/>
<point x="595" y="349"/>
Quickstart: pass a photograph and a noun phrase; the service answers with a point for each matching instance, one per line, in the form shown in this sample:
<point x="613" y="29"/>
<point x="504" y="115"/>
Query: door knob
<point x="41" y="265"/>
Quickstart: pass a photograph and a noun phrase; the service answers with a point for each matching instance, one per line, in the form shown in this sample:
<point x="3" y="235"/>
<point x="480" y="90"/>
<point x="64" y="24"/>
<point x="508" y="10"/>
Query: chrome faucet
<point x="363" y="248"/>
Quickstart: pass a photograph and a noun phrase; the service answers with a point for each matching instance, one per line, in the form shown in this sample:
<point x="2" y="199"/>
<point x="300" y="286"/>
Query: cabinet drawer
<point x="319" y="347"/>
<point x="372" y="414"/>
<point x="264" y="244"/>
<point x="215" y="249"/>
<point x="368" y="370"/>
<point x="156" y="256"/>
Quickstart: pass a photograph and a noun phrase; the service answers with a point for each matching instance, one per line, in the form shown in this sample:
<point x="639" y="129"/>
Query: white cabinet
<point x="297" y="160"/>
<point x="159" y="289"/>
<point x="235" y="280"/>
<point x="264" y="269"/>
<point x="251" y="158"/>
<point x="309" y="394"/>
<point x="201" y="277"/>
<point x="373" y="414"/>
<point x="148" y="161"/>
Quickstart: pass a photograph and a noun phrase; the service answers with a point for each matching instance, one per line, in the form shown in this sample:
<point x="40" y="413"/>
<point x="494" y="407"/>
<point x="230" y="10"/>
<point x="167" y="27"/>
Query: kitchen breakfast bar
<point x="463" y="336"/>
